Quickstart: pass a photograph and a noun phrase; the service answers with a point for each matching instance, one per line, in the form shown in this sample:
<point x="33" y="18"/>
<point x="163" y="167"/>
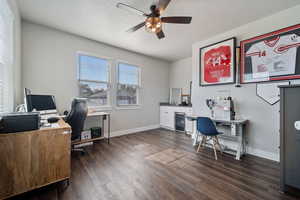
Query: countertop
<point x="168" y="104"/>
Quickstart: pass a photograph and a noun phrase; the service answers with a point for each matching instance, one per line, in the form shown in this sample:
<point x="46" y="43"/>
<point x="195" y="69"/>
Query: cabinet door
<point x="188" y="126"/>
<point x="51" y="158"/>
<point x="15" y="158"/>
<point x="171" y="117"/>
<point x="164" y="116"/>
<point x="167" y="117"/>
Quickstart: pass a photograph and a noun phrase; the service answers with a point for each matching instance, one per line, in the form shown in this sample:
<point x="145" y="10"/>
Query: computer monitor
<point x="40" y="102"/>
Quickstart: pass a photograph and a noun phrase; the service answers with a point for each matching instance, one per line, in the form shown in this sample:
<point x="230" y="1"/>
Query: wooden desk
<point x="30" y="160"/>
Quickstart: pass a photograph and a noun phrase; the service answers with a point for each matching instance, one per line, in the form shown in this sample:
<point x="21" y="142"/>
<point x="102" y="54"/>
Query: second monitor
<point x="40" y="102"/>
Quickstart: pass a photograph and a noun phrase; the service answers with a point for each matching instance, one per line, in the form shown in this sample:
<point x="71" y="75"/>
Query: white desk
<point x="105" y="116"/>
<point x="237" y="134"/>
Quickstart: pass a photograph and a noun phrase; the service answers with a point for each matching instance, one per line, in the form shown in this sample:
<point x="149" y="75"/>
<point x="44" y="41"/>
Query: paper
<point x="55" y="125"/>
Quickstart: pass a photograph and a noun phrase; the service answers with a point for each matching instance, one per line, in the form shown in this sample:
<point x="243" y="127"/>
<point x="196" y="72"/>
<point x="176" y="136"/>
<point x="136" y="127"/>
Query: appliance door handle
<point x="297" y="126"/>
<point x="1" y="123"/>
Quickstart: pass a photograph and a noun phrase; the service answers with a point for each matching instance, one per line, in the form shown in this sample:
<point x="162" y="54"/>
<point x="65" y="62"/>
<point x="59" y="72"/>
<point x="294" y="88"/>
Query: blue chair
<point x="207" y="128"/>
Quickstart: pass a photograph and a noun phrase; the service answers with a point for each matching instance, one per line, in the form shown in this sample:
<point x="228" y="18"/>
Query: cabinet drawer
<point x="164" y="110"/>
<point x="189" y="111"/>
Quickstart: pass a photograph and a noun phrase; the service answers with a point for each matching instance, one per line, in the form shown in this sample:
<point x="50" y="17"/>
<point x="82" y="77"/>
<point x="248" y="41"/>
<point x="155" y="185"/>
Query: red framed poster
<point x="217" y="63"/>
<point x="271" y="57"/>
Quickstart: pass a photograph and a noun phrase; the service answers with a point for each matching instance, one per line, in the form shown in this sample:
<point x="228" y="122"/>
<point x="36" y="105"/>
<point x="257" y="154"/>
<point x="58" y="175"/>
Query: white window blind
<point x="1" y="87"/>
<point x="94" y="80"/>
<point x="128" y="84"/>
<point x="6" y="57"/>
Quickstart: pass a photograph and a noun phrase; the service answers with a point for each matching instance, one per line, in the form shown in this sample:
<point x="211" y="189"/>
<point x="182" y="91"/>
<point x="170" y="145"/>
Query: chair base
<point x="81" y="150"/>
<point x="215" y="144"/>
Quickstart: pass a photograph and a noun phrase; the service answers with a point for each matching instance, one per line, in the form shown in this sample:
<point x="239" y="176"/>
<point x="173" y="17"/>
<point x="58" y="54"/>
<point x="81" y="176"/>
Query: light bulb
<point x="153" y="24"/>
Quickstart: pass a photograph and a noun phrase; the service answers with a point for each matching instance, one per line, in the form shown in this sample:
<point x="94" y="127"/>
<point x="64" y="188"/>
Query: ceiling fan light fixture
<point x="153" y="24"/>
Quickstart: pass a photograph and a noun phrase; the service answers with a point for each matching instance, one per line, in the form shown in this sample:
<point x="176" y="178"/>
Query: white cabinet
<point x="167" y="117"/>
<point x="164" y="116"/>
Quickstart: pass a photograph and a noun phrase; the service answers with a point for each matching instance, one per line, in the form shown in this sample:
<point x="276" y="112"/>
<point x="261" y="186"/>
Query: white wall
<point x="181" y="74"/>
<point x="49" y="67"/>
<point x="17" y="53"/>
<point x="263" y="129"/>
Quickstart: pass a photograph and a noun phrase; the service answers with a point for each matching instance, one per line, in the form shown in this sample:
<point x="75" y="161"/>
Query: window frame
<point x="108" y="106"/>
<point x="128" y="106"/>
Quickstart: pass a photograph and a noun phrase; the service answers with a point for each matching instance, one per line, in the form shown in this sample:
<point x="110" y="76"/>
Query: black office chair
<point x="76" y="118"/>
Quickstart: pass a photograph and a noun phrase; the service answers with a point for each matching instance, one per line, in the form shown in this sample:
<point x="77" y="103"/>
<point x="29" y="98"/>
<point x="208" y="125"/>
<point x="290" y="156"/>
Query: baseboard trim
<point x="263" y="154"/>
<point x="134" y="130"/>
<point x="253" y="151"/>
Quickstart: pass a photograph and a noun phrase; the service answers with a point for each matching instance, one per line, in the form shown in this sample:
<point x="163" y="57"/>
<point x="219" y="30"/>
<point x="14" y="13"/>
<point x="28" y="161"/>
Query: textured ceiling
<point x="100" y="20"/>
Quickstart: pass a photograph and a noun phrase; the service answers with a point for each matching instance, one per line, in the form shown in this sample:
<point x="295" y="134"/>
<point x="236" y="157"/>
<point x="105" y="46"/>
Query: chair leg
<point x="214" y="147"/>
<point x="219" y="145"/>
<point x="81" y="150"/>
<point x="203" y="141"/>
<point x="200" y="144"/>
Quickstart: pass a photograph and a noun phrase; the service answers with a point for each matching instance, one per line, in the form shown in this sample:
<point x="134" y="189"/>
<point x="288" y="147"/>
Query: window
<point x="128" y="84"/>
<point x="94" y="80"/>
<point x="6" y="58"/>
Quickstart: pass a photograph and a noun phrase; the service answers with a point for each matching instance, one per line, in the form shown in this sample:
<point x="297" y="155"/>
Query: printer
<point x="19" y="122"/>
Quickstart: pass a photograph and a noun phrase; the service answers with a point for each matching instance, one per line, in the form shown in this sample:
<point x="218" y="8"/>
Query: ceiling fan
<point x="154" y="21"/>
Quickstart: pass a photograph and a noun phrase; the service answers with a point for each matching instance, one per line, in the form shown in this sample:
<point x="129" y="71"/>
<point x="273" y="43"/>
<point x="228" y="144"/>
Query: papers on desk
<point x="55" y="125"/>
<point x="48" y="125"/>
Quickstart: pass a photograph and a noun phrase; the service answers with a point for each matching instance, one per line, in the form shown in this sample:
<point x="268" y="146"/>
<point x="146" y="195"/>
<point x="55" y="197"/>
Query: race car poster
<point x="271" y="57"/>
<point x="217" y="63"/>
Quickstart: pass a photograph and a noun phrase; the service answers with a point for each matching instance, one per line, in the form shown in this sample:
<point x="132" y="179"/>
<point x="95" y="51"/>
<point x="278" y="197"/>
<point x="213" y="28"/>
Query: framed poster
<point x="271" y="57"/>
<point x="217" y="63"/>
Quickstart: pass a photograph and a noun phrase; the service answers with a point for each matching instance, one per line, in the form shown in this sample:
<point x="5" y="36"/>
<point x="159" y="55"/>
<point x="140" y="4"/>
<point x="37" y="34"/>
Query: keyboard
<point x="47" y="116"/>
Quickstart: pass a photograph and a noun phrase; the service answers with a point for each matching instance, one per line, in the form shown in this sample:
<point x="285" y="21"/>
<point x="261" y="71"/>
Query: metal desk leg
<point x="244" y="138"/>
<point x="108" y="128"/>
<point x="195" y="133"/>
<point x="103" y="117"/>
<point x="195" y="139"/>
<point x="240" y="142"/>
<point x="238" y="151"/>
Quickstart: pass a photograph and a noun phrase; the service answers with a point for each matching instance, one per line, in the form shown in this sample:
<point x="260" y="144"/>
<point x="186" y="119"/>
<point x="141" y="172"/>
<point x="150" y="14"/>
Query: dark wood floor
<point x="161" y="165"/>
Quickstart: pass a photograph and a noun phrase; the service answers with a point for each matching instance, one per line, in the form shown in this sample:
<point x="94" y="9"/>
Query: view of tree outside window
<point x="94" y="80"/>
<point x="128" y="84"/>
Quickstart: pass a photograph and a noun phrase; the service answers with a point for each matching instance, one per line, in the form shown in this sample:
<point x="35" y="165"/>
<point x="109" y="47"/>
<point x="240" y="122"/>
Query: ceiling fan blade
<point x="163" y="4"/>
<point x="137" y="27"/>
<point x="177" y="20"/>
<point x="160" y="35"/>
<point x="131" y="9"/>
